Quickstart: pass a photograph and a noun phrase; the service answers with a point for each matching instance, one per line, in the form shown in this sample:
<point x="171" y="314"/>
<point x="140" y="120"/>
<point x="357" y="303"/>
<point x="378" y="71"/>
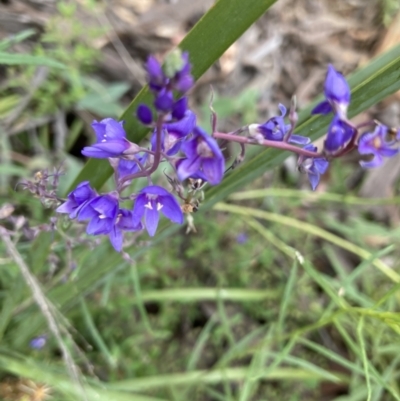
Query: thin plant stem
<point x="267" y="143"/>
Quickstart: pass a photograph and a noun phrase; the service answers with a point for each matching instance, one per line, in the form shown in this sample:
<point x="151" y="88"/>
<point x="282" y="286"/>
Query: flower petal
<point x="299" y="139"/>
<point x="171" y="209"/>
<point x="322" y="108"/>
<point x="116" y="238"/>
<point x="98" y="226"/>
<point x="213" y="170"/>
<point x="314" y="180"/>
<point x="151" y="218"/>
<point x="188" y="167"/>
<point x="144" y="114"/>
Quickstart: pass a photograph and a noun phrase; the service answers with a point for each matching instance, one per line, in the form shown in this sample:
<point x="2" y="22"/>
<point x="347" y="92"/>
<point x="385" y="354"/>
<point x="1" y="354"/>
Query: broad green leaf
<point x="221" y="26"/>
<point x="28" y="59"/>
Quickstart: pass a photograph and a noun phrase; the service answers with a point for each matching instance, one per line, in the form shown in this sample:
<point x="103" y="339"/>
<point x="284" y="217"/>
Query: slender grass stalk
<point x="312" y="230"/>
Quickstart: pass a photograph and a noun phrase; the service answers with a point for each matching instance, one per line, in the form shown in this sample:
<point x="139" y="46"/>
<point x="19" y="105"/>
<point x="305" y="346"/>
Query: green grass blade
<point x="28" y="59"/>
<point x="312" y="230"/>
<point x="364" y="356"/>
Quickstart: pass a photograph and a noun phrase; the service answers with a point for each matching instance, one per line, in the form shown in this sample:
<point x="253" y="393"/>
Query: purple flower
<point x="107" y="219"/>
<point x="179" y="108"/>
<point x="164" y="101"/>
<point x="150" y="201"/>
<point x="314" y="167"/>
<point x="174" y="133"/>
<point x="144" y="114"/>
<point x="128" y="167"/>
<point x="102" y="212"/>
<point x="179" y="79"/>
<point x="375" y="143"/>
<point x="339" y="134"/>
<point x="242" y="238"/>
<point x="77" y="199"/>
<point x="157" y="78"/>
<point x="38" y="342"/>
<point x="111" y="140"/>
<point x="337" y="94"/>
<point x="202" y="156"/>
<point x="123" y="223"/>
<point x="183" y="80"/>
<point x="275" y="129"/>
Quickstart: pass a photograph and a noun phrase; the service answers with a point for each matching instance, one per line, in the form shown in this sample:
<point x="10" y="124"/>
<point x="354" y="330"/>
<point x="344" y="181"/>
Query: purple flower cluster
<point x="337" y="94"/>
<point x="342" y="135"/>
<point x="190" y="151"/>
<point x="195" y="156"/>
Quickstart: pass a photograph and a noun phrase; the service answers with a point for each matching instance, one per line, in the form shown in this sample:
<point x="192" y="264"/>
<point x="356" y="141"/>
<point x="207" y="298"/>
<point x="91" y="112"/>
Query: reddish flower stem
<point x="271" y="144"/>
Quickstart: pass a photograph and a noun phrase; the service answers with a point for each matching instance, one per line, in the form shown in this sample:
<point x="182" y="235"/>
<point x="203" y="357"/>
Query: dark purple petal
<point x="99" y="129"/>
<point x="155" y="190"/>
<point x="144" y="114"/>
<point x="67" y="207"/>
<point x="299" y="139"/>
<point x="314" y="180"/>
<point x="183" y="127"/>
<point x="106" y="149"/>
<point x="156" y="74"/>
<point x="127" y="167"/>
<point x="321" y="165"/>
<point x="125" y="221"/>
<point x="106" y="205"/>
<point x="339" y="134"/>
<point x="213" y="170"/>
<point x="189" y="148"/>
<point x="86" y="212"/>
<point x="164" y="101"/>
<point x="184" y="83"/>
<point x="99" y="226"/>
<point x="151" y="219"/>
<point x="388" y="152"/>
<point x="179" y="108"/>
<point x="188" y="168"/>
<point x="322" y="108"/>
<point x="171" y="209"/>
<point x="114" y="130"/>
<point x="310" y="147"/>
<point x="139" y="208"/>
<point x="108" y="129"/>
<point x="116" y="238"/>
<point x="82" y="192"/>
<point x="336" y="87"/>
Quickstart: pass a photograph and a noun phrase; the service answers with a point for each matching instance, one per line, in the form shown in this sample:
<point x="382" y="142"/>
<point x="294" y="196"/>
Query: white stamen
<point x="102" y="216"/>
<point x="159" y="206"/>
<point x="148" y="205"/>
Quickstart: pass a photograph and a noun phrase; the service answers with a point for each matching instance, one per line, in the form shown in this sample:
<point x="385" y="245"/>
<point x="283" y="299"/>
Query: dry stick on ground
<point x="45" y="306"/>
